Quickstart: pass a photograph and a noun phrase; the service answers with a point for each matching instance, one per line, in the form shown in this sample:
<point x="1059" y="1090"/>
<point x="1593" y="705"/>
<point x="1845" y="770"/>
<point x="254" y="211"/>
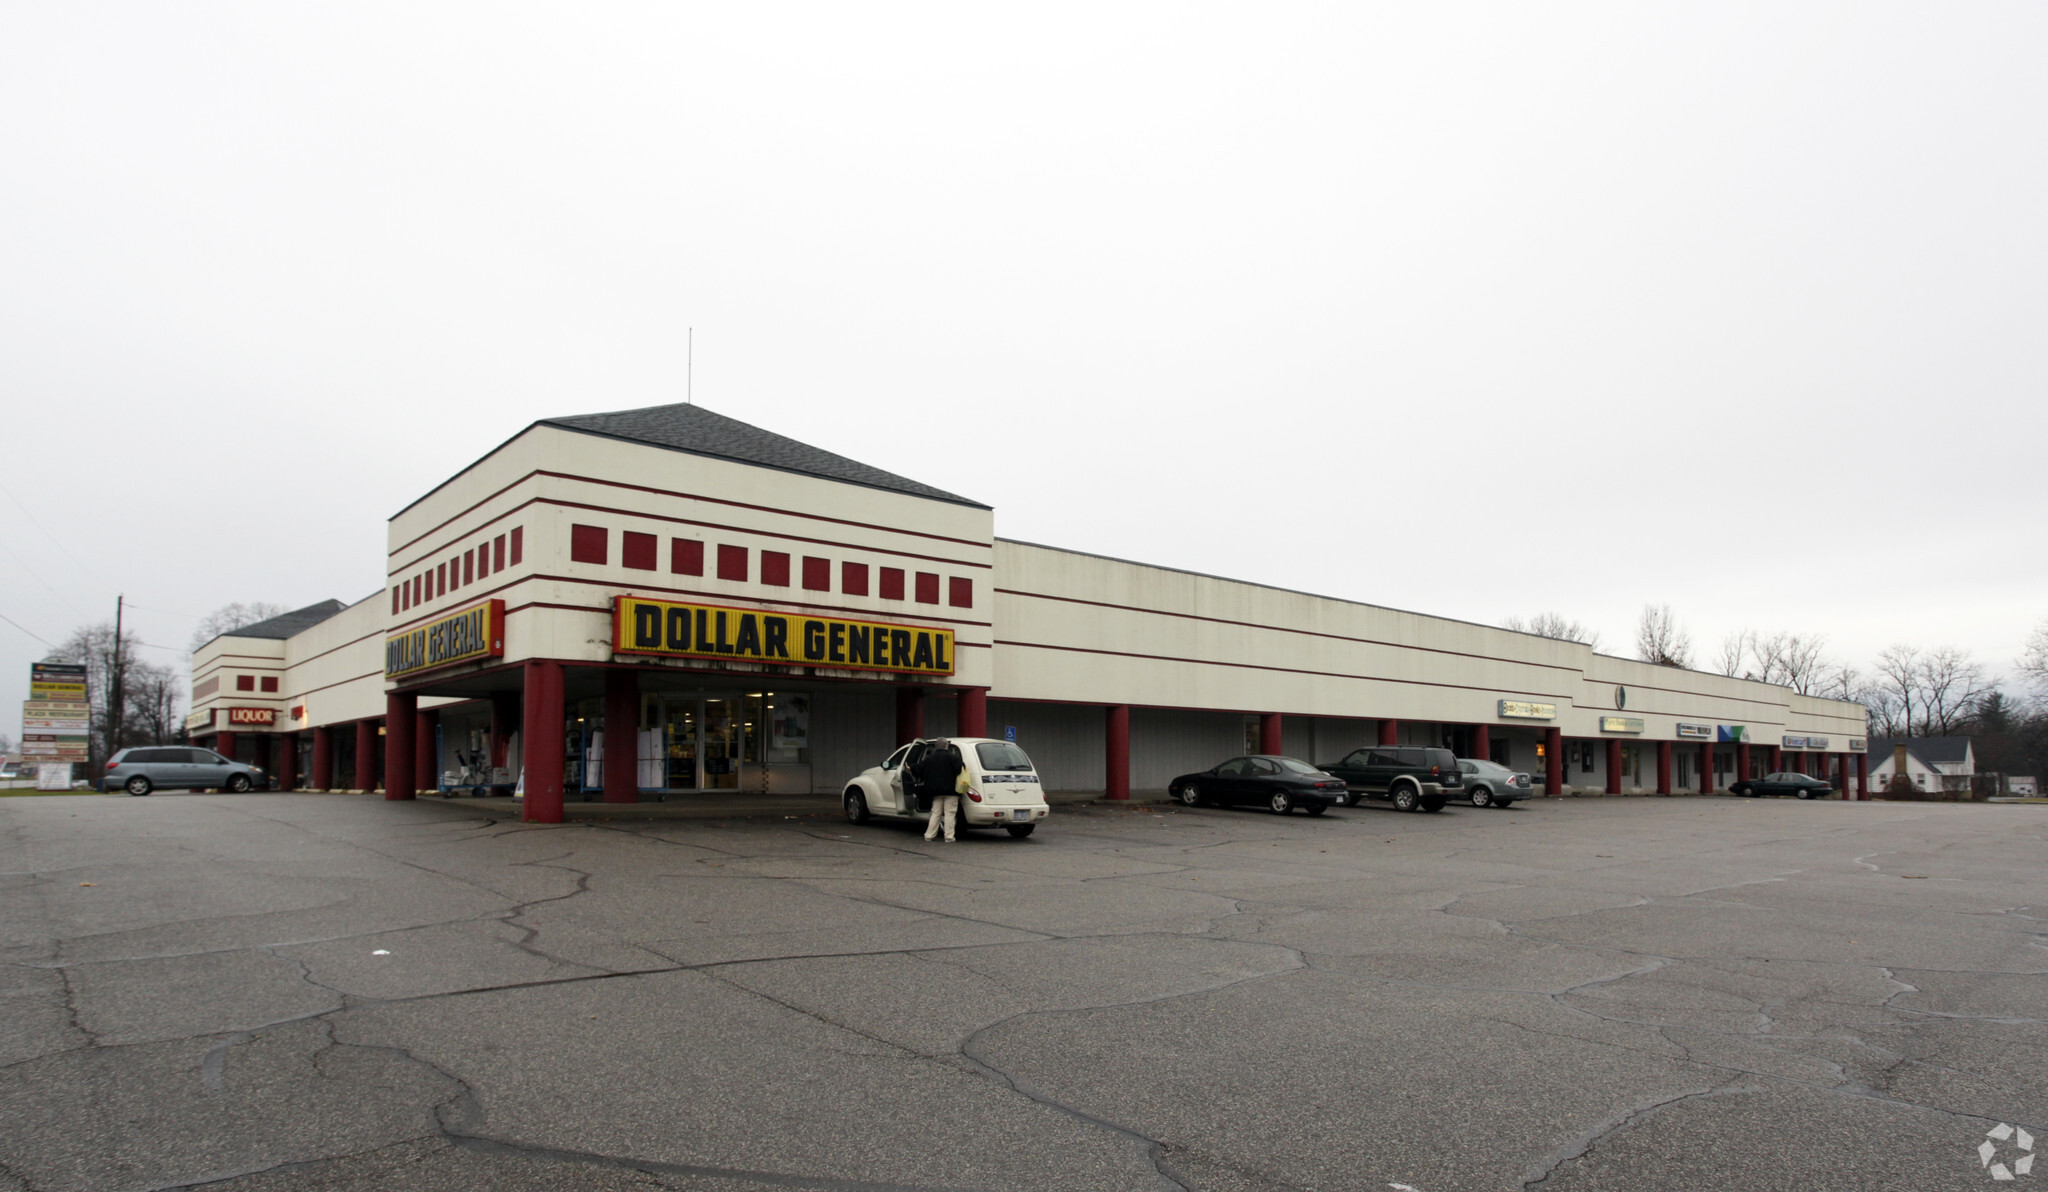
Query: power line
<point x="46" y="583"/>
<point x="76" y="561"/>
<point x="18" y="625"/>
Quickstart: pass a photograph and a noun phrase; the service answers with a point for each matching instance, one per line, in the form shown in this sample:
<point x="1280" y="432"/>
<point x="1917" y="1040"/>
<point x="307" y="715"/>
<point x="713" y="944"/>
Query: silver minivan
<point x="173" y="767"/>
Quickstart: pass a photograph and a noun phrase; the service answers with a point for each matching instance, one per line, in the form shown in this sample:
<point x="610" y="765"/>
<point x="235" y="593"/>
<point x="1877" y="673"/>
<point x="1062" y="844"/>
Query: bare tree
<point x="1555" y="626"/>
<point x="93" y="646"/>
<point x="1735" y="649"/>
<point x="2033" y="661"/>
<point x="1661" y="639"/>
<point x="232" y="616"/>
<point x="155" y="694"/>
<point x="1898" y="686"/>
<point x="1951" y="687"/>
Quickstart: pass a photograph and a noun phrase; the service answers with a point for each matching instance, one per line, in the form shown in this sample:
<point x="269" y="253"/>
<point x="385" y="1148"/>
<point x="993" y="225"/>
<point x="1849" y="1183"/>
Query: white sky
<point x="1469" y="309"/>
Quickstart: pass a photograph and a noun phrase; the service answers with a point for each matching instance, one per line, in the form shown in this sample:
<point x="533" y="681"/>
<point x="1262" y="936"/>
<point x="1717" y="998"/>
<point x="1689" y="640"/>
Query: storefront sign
<point x="1794" y="742"/>
<point x="1698" y="732"/>
<point x="670" y="630"/>
<point x="54" y="724"/>
<point x="1731" y="732"/>
<point x="475" y="632"/>
<point x="1816" y="742"/>
<point x="56" y="680"/>
<point x="252" y="716"/>
<point x="1515" y="709"/>
<point x="1621" y="724"/>
<point x="1858" y="745"/>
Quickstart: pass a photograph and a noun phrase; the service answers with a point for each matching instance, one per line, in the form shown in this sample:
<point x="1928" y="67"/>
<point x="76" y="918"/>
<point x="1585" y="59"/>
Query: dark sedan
<point x="1279" y="783"/>
<point x="1804" y="786"/>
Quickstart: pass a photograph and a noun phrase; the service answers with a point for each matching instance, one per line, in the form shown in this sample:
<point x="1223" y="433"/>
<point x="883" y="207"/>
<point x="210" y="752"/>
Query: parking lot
<point x="310" y="991"/>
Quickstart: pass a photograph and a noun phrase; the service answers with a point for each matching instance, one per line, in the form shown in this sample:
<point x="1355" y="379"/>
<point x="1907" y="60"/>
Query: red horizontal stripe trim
<point x="606" y="610"/>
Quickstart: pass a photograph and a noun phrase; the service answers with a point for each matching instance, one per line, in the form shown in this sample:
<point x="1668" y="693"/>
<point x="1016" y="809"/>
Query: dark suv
<point x="140" y="771"/>
<point x="1411" y="777"/>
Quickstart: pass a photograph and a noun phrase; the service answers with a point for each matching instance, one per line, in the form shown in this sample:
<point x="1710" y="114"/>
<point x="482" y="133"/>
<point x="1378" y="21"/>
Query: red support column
<point x="1741" y="761"/>
<point x="224" y="744"/>
<point x="401" y="718"/>
<point x="323" y="758"/>
<point x="1482" y="743"/>
<point x="287" y="762"/>
<point x="1390" y="732"/>
<point x="1706" y="767"/>
<point x="426" y="752"/>
<point x="365" y="777"/>
<point x="909" y="714"/>
<point x="971" y="718"/>
<point x="621" y="736"/>
<point x="1613" y="766"/>
<point x="1862" y="776"/>
<point x="1271" y="733"/>
<point x="1116" y="752"/>
<point x="1799" y="763"/>
<point x="1553" y="761"/>
<point x="541" y="744"/>
<point x="1663" y="767"/>
<point x="1777" y="759"/>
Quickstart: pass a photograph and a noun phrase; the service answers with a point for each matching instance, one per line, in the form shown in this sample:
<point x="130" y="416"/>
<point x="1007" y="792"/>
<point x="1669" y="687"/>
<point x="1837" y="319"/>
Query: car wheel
<point x="856" y="807"/>
<point x="1804" y="793"/>
<point x="1190" y="797"/>
<point x="239" y="783"/>
<point x="1432" y="804"/>
<point x="1480" y="796"/>
<point x="139" y="785"/>
<point x="1281" y="803"/>
<point x="1318" y="808"/>
<point x="1020" y="831"/>
<point x="1405" y="797"/>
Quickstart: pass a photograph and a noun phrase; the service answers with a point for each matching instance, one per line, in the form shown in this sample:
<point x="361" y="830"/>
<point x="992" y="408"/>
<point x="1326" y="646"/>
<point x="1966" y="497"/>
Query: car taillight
<point x="974" y="795"/>
<point x="111" y="765"/>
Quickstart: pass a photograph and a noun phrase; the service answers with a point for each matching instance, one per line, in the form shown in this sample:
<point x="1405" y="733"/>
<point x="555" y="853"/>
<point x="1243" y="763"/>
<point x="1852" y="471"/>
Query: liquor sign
<point x="474" y="633"/>
<point x="252" y="715"/>
<point x="1621" y="724"/>
<point x="1515" y="709"/>
<point x="671" y="630"/>
<point x="1697" y="732"/>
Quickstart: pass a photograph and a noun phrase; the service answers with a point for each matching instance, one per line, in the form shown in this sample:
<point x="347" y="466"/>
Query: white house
<point x="1933" y="763"/>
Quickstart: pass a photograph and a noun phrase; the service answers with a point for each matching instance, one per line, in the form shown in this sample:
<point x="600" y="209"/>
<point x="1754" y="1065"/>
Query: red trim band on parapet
<point x="823" y="609"/>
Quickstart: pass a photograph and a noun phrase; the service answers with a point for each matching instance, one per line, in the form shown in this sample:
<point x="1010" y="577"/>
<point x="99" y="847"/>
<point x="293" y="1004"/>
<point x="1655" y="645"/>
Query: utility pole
<point x="116" y="700"/>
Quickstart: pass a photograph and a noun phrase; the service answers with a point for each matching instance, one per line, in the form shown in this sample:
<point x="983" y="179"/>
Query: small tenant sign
<point x="1696" y="732"/>
<point x="1621" y="724"/>
<point x="1516" y="709"/>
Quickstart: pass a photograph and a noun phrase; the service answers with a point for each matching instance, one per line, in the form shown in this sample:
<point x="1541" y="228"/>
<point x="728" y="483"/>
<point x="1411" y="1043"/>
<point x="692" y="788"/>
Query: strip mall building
<point x="753" y="614"/>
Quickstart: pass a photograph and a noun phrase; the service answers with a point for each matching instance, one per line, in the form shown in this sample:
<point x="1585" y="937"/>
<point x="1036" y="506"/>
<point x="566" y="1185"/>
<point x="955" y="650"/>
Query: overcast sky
<point x="1476" y="310"/>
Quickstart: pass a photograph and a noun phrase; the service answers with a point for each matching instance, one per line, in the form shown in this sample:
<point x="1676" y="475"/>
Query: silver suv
<point x="140" y="771"/>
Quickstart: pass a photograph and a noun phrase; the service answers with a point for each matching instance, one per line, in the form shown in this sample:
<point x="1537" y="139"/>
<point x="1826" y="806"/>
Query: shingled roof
<point x="1931" y="751"/>
<point x="290" y="624"/>
<point x="692" y="428"/>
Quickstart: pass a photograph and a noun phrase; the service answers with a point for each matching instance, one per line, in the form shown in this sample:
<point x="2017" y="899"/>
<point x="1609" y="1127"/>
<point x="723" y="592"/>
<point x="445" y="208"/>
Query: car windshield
<point x="1001" y="755"/>
<point x="1296" y="767"/>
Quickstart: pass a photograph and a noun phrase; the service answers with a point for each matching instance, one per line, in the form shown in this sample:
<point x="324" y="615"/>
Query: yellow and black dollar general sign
<point x="475" y="632"/>
<point x="642" y="626"/>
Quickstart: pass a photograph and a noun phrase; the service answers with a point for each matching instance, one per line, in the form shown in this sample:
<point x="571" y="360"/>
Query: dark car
<point x="1412" y="777"/>
<point x="1804" y="786"/>
<point x="1280" y="783"/>
<point x="171" y="767"/>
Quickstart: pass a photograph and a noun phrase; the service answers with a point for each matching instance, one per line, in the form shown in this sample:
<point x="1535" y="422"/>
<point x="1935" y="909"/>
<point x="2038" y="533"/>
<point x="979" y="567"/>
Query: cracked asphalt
<point x="266" y="992"/>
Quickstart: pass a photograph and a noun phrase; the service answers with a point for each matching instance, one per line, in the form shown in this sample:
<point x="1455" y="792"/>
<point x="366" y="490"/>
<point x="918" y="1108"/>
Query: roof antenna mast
<point x="690" y="368"/>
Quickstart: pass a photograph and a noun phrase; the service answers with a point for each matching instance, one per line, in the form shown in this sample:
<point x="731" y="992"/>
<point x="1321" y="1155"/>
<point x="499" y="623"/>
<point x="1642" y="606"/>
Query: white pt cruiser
<point x="1003" y="788"/>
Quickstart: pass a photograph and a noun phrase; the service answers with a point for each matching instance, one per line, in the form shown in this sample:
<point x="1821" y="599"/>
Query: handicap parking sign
<point x="1010" y="733"/>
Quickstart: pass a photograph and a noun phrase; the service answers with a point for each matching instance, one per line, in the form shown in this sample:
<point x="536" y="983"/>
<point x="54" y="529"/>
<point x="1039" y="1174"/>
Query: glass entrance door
<point x="679" y="739"/>
<point x="723" y="738"/>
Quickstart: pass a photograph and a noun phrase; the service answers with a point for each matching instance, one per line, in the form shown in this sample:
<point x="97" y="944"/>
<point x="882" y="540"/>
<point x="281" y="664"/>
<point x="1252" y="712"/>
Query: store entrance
<point x="694" y="742"/>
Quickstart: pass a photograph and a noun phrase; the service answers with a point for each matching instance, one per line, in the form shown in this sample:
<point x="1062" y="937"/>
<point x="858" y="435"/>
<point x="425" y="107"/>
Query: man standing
<point x="940" y="771"/>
